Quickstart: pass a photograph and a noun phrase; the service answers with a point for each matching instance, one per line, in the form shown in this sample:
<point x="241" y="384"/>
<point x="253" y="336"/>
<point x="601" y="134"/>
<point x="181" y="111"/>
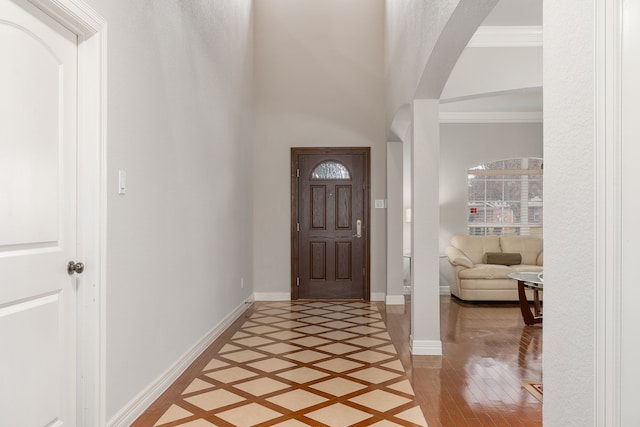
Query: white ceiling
<point x="507" y="13"/>
<point x="520" y="100"/>
<point x="516" y="12"/>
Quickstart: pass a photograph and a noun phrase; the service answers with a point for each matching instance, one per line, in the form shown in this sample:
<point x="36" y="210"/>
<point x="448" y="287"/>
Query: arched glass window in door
<point x="330" y="169"/>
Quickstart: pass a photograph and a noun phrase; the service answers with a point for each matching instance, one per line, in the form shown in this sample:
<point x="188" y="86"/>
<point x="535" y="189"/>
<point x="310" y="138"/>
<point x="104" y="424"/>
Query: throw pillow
<point x="502" y="258"/>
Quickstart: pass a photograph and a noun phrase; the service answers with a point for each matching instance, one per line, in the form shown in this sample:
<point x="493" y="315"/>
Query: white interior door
<point x="38" y="121"/>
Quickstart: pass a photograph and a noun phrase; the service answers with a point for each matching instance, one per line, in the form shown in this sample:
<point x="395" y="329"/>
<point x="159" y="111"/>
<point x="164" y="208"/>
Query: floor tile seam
<point x="401" y="421"/>
<point x="346" y="375"/>
<point x="239" y="342"/>
<point x="330" y="373"/>
<point x="157" y="416"/>
<point x="303" y="412"/>
<point x="288" y="412"/>
<point x="367" y="387"/>
<point x="393" y="412"/>
<point x="205" y="414"/>
<point x="277" y="373"/>
<point x="179" y="421"/>
<point x="269" y="375"/>
<point x="370" y="422"/>
<point x="161" y="410"/>
<point x="317" y="347"/>
<point x="292" y="385"/>
<point x="202" y="390"/>
<point x="265" y="354"/>
<point x="217" y="421"/>
<point x="221" y="368"/>
<point x="374" y="363"/>
<point x="329" y="403"/>
<point x="325" y="324"/>
<point x="398" y="393"/>
<point x="352" y="352"/>
<point x="277" y="421"/>
<point x="199" y="412"/>
<point x="249" y="397"/>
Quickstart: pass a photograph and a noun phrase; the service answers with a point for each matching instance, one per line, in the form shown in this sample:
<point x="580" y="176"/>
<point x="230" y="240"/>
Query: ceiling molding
<point x="490" y="117"/>
<point x="507" y="36"/>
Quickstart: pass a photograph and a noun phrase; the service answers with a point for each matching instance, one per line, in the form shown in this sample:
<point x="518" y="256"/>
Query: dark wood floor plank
<point x="487" y="351"/>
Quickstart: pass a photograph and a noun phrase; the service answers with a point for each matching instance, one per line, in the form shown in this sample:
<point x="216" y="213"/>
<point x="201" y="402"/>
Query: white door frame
<point x="91" y="29"/>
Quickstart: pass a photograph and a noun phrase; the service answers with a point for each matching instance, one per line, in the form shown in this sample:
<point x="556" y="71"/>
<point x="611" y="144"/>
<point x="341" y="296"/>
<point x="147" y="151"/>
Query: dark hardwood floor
<point x="487" y="352"/>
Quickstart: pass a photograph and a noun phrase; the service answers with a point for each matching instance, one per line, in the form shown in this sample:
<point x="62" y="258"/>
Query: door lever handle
<point x="358" y="229"/>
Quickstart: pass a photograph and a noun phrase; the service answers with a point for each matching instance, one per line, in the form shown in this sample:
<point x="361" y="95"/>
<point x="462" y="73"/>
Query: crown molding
<point x="490" y="117"/>
<point x="507" y="36"/>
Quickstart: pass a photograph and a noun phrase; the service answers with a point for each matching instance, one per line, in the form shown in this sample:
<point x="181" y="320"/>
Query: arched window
<point x="330" y="169"/>
<point x="505" y="197"/>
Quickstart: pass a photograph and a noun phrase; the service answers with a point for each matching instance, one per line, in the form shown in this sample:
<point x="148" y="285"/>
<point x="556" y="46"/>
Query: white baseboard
<point x="272" y="296"/>
<point x="394" y="300"/>
<point x="284" y="296"/>
<point x="378" y="296"/>
<point x="445" y="290"/>
<point x="127" y="415"/>
<point x="426" y="347"/>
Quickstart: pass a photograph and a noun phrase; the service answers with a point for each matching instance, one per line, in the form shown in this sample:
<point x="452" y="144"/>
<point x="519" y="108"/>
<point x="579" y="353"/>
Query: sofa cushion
<point x="486" y="272"/>
<point x="456" y="257"/>
<point x="527" y="246"/>
<point x="502" y="258"/>
<point x="474" y="247"/>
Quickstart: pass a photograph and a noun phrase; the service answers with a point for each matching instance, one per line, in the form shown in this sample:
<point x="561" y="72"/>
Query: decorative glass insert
<point x="330" y="169"/>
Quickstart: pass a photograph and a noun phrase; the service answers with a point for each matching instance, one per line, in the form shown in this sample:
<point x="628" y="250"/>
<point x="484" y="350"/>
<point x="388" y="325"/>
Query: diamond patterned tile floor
<point x="295" y="364"/>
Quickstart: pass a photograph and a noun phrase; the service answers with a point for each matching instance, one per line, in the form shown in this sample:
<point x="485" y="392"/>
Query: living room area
<point x="490" y="185"/>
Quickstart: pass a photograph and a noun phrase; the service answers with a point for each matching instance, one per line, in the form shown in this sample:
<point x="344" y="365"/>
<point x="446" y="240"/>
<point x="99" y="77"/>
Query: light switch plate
<point x="380" y="204"/>
<point x="122" y="182"/>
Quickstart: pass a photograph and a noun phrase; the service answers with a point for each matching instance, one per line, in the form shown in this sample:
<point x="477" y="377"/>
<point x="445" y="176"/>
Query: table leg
<point x="536" y="303"/>
<point x="527" y="316"/>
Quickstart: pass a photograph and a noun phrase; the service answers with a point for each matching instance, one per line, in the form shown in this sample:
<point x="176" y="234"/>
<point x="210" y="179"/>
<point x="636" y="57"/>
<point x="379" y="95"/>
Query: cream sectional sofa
<point x="477" y="270"/>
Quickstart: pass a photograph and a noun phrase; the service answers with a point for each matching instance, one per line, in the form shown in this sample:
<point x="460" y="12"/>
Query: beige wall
<point x="318" y="82"/>
<point x="412" y="29"/>
<point x="179" y="123"/>
<point x="464" y="145"/>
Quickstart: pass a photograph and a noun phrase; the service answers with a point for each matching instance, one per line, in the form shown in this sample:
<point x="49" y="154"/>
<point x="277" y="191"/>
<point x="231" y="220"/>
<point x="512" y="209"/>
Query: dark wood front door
<point x="330" y="223"/>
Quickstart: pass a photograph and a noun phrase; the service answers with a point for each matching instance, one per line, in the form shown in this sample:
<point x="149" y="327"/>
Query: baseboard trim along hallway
<point x="137" y="406"/>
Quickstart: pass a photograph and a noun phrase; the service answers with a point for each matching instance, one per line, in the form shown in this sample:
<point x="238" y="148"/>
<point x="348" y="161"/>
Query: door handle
<point x="75" y="267"/>
<point x="358" y="229"/>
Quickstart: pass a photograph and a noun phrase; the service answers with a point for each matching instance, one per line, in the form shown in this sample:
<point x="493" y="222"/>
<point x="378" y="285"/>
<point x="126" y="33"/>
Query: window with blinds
<point x="505" y="197"/>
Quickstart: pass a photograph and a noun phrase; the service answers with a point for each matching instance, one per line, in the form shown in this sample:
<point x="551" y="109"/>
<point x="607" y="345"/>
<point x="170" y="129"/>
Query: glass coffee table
<point x="535" y="282"/>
